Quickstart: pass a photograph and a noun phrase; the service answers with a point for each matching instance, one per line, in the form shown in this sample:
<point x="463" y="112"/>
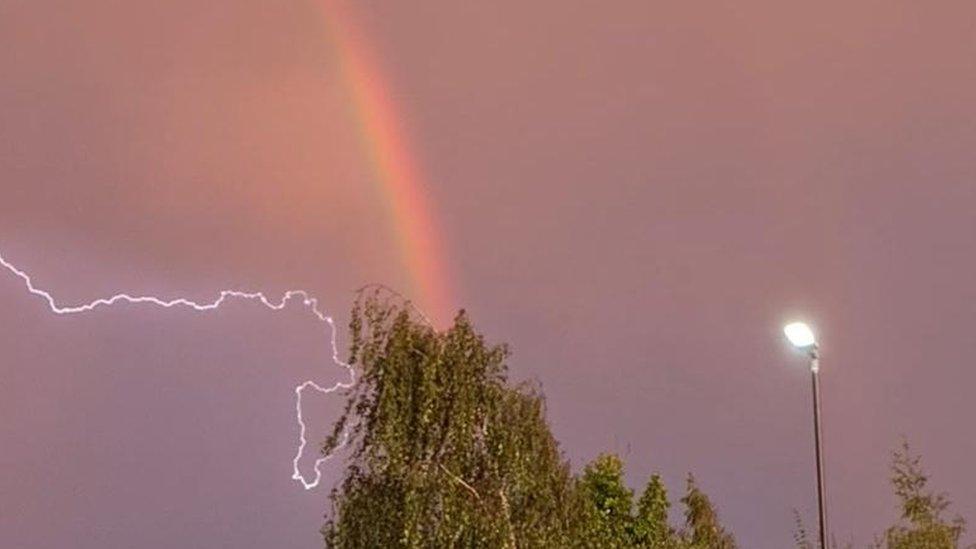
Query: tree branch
<point x="460" y="481"/>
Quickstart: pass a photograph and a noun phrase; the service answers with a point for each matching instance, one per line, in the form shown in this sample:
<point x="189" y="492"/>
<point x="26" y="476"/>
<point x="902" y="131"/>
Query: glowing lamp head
<point x="800" y="335"/>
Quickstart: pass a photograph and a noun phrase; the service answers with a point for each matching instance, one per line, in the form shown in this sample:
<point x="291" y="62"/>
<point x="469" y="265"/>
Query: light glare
<point x="800" y="335"/>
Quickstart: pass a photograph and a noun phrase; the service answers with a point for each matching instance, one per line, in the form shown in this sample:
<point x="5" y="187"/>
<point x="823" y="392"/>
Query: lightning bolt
<point x="307" y="300"/>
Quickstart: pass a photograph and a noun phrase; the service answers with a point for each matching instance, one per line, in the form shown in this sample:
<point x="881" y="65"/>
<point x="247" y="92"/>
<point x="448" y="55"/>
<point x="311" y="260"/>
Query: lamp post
<point x="801" y="336"/>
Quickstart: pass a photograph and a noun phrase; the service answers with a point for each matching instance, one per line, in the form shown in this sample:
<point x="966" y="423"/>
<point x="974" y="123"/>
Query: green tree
<point x="442" y="450"/>
<point x="702" y="527"/>
<point x="651" y="527"/>
<point x="922" y="524"/>
<point x="605" y="506"/>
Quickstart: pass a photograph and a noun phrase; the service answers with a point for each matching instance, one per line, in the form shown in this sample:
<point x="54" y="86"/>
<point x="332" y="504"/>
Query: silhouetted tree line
<point x="444" y="451"/>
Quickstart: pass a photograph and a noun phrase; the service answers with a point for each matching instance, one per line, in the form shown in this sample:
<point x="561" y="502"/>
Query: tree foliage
<point x="604" y="518"/>
<point x="923" y="524"/>
<point x="443" y="451"/>
<point x="651" y="527"/>
<point x="702" y="527"/>
<point x="607" y="518"/>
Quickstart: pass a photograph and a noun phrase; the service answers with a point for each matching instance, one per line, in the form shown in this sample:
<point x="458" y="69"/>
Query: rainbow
<point x="398" y="177"/>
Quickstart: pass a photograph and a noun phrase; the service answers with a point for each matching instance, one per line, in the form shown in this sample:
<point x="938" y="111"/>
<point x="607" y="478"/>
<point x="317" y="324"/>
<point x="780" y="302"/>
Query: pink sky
<point x="634" y="197"/>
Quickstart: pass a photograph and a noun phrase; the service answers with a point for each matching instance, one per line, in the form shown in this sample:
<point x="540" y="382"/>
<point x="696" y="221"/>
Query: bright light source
<point x="800" y="335"/>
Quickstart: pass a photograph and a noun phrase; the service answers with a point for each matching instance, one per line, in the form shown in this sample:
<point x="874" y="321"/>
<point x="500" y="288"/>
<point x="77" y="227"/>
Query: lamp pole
<point x="818" y="441"/>
<point x="803" y="338"/>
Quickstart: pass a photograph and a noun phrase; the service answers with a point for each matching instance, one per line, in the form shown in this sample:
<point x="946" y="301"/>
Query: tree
<point x="604" y="516"/>
<point x="442" y="450"/>
<point x="702" y="527"/>
<point x="651" y="527"/>
<point x="801" y="537"/>
<point x="922" y="524"/>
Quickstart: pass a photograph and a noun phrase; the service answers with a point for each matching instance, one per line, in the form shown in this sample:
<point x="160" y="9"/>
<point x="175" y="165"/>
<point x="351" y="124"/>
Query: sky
<point x="635" y="196"/>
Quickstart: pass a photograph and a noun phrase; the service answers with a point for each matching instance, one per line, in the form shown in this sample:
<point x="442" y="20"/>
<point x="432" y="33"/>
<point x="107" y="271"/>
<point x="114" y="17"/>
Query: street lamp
<point x="802" y="337"/>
